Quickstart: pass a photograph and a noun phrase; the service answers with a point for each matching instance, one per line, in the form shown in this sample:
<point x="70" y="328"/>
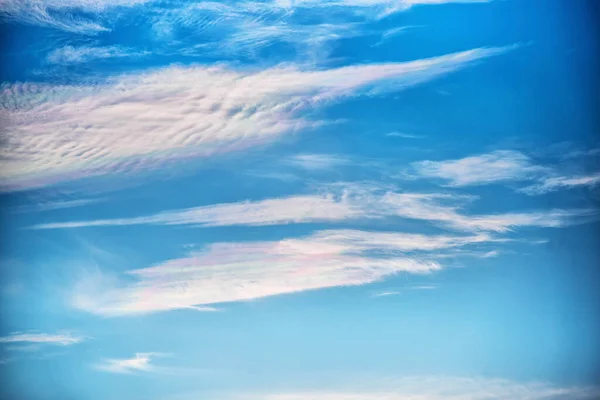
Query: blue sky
<point x="299" y="200"/>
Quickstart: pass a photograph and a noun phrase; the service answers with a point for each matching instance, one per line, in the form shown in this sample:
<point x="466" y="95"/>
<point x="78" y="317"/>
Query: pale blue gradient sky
<point x="346" y="200"/>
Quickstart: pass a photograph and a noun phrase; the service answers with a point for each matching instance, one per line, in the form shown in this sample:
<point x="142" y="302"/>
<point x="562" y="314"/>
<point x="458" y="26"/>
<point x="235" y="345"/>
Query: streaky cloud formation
<point x="388" y="5"/>
<point x="66" y="14"/>
<point x="61" y="14"/>
<point x="54" y="205"/>
<point x="313" y="162"/>
<point x="141" y="362"/>
<point x="60" y="133"/>
<point x="437" y="388"/>
<point x="266" y="212"/>
<point x="81" y="54"/>
<point x="63" y="339"/>
<point x="241" y="271"/>
<point x="553" y="183"/>
<point x="346" y="202"/>
<point x="498" y="166"/>
<point x="403" y="135"/>
<point x="501" y="166"/>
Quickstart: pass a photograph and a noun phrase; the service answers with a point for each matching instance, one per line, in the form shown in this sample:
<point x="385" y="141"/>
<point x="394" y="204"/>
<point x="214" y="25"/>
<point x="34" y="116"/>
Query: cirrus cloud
<point x="241" y="271"/>
<point x="62" y="339"/>
<point x="59" y="133"/>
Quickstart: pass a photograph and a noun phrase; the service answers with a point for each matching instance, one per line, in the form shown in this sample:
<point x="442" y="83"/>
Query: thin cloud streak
<point x="313" y="162"/>
<point x="501" y="166"/>
<point x="63" y="339"/>
<point x="438" y="388"/>
<point x="403" y="135"/>
<point x="498" y="166"/>
<point x="230" y="272"/>
<point x="141" y="362"/>
<point x="554" y="183"/>
<point x="53" y="205"/>
<point x="59" y="14"/>
<point x="75" y="55"/>
<point x="346" y="202"/>
<point x="135" y="122"/>
<point x="66" y="14"/>
<point x="266" y="212"/>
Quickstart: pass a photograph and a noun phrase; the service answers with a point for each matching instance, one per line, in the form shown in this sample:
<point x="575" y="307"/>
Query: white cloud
<point x="141" y="362"/>
<point x="58" y="133"/>
<point x="75" y="55"/>
<point x="244" y="28"/>
<point x="553" y="183"/>
<point x="386" y="294"/>
<point x="313" y="162"/>
<point x="240" y="271"/>
<point x="65" y="14"/>
<point x="390" y="5"/>
<point x="343" y="203"/>
<point x="403" y="135"/>
<point x="437" y="388"/>
<point x="498" y="166"/>
<point x="266" y="212"/>
<point x="61" y="14"/>
<point x="53" y="205"/>
<point x="501" y="166"/>
<point x="309" y="40"/>
<point x="505" y="222"/>
<point x="63" y="339"/>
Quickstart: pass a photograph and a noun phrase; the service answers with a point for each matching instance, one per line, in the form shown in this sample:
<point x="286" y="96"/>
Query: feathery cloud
<point x="229" y="272"/>
<point x="553" y="183"/>
<point x="345" y="203"/>
<point x="75" y="55"/>
<point x="390" y="5"/>
<point x="63" y="339"/>
<point x="59" y="133"/>
<point x="266" y="212"/>
<point x="61" y="14"/>
<point x="141" y="362"/>
<point x="498" y="166"/>
<point x="403" y="135"/>
<point x="66" y="14"/>
<point x="440" y="388"/>
<point x="501" y="166"/>
<point x="313" y="162"/>
<point x="53" y="205"/>
<point x="386" y="294"/>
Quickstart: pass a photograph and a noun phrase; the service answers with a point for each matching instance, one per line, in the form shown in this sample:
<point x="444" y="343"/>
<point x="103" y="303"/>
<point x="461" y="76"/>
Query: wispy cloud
<point x="266" y="212"/>
<point x="423" y="287"/>
<point x="92" y="16"/>
<point x="501" y="166"/>
<point x="438" y="388"/>
<point x="240" y="271"/>
<point x="347" y="202"/>
<point x="390" y="33"/>
<point x="309" y="40"/>
<point x="386" y="294"/>
<point x="403" y="135"/>
<point x="317" y="161"/>
<point x="61" y="14"/>
<point x="75" y="55"/>
<point x="498" y="166"/>
<point x="53" y="205"/>
<point x="58" y="133"/>
<point x="141" y="362"/>
<point x="246" y="28"/>
<point x="553" y="183"/>
<point x="388" y="6"/>
<point x="63" y="339"/>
